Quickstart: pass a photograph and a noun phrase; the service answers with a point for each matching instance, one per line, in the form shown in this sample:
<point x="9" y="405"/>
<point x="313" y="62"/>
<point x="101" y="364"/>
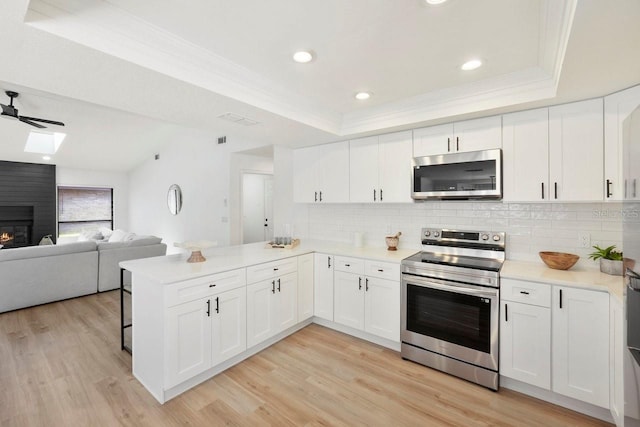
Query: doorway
<point x="257" y="207"/>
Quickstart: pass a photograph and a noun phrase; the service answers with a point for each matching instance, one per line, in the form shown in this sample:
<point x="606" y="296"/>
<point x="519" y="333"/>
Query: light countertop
<point x="174" y="268"/>
<point x="581" y="277"/>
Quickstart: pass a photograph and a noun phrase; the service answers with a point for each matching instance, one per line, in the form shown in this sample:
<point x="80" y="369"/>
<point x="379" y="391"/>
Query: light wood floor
<point x="61" y="365"/>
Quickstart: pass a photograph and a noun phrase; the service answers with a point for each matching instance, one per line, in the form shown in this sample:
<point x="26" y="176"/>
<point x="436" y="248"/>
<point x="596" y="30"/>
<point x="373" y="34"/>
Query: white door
<point x="525" y="156"/>
<point x="261" y="310"/>
<point x="228" y="324"/>
<point x="349" y="299"/>
<point x="382" y="308"/>
<point x="305" y="287"/>
<point x="394" y="170"/>
<point x="477" y="134"/>
<point x="323" y="286"/>
<point x="433" y="140"/>
<point x="287" y="302"/>
<point x="525" y="343"/>
<point x="257" y="207"/>
<point x="580" y="342"/>
<point x="188" y="341"/>
<point x="575" y="151"/>
<point x="363" y="170"/>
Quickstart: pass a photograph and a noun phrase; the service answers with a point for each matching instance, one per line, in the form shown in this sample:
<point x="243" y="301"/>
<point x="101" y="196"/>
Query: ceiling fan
<point x="11" y="111"/>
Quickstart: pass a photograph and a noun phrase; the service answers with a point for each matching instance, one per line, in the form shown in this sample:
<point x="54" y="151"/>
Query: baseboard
<point x="557" y="399"/>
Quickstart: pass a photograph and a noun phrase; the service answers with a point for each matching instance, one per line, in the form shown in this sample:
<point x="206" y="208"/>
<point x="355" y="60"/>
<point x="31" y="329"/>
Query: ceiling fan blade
<point x="51" y="122"/>
<point x="29" y="122"/>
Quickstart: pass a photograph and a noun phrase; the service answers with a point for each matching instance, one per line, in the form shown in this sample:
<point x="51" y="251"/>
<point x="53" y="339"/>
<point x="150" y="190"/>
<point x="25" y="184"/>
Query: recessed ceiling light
<point x="471" y="65"/>
<point x="363" y="95"/>
<point x="46" y="157"/>
<point x="434" y="2"/>
<point x="303" y="56"/>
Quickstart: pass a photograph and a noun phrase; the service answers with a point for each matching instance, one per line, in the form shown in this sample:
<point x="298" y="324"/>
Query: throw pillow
<point x="105" y="231"/>
<point x="118" y="236"/>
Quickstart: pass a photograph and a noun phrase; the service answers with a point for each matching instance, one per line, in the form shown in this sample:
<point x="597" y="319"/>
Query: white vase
<point x="612" y="267"/>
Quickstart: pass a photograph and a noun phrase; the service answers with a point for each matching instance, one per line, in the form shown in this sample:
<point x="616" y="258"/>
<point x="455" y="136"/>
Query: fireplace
<point x="16" y="224"/>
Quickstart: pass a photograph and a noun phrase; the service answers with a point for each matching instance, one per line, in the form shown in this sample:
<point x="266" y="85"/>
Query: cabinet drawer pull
<point x="524" y="292"/>
<point x="381" y="270"/>
<point x="213" y="285"/>
<point x="275" y="268"/>
<point x="217" y="304"/>
<point x="347" y="265"/>
<point x="506" y="313"/>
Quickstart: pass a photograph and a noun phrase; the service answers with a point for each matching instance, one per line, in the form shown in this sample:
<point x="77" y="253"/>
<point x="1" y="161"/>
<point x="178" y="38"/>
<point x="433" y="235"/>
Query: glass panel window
<point x="84" y="210"/>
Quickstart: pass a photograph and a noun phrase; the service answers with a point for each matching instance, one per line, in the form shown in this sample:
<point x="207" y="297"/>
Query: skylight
<point x="44" y="142"/>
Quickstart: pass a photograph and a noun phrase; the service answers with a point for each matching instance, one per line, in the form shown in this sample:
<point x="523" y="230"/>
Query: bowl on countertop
<point x="559" y="260"/>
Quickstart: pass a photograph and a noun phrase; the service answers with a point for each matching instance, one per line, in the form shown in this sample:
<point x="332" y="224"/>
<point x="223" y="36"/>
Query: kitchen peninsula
<point x="194" y="320"/>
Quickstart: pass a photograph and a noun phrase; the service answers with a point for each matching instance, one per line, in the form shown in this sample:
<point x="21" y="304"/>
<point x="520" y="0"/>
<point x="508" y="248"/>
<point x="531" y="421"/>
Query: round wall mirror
<point x="174" y="199"/>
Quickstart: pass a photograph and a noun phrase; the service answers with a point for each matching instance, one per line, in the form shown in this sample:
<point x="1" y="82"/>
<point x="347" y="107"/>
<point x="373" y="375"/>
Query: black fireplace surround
<point x="27" y="203"/>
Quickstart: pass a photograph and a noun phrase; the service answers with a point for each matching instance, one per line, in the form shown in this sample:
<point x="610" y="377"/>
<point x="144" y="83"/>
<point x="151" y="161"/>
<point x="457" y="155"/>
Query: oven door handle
<point x="453" y="287"/>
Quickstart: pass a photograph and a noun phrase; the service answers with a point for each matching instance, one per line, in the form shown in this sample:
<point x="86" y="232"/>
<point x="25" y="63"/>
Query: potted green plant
<point x="611" y="260"/>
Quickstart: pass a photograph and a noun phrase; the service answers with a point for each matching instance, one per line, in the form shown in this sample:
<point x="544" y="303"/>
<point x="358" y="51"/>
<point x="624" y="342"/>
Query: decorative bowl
<point x="559" y="260"/>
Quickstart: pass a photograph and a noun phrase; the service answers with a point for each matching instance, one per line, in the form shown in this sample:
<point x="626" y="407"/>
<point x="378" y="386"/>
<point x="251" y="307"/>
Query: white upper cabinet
<point x="321" y="173"/>
<point x="621" y="125"/>
<point x="380" y="168"/>
<point x="525" y="156"/>
<point x="469" y="135"/>
<point x="575" y="151"/>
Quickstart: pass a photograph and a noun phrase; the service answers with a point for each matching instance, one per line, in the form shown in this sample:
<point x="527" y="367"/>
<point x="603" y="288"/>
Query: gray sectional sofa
<point x="40" y="274"/>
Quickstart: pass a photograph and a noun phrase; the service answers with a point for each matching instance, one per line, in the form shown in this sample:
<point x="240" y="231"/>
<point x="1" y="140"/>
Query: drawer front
<point x="383" y="270"/>
<point x="349" y="265"/>
<point x="201" y="287"/>
<point x="270" y="270"/>
<point x="533" y="293"/>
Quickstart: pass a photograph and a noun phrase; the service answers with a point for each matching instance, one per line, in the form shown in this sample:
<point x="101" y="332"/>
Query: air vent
<point x="222" y="140"/>
<point x="236" y="118"/>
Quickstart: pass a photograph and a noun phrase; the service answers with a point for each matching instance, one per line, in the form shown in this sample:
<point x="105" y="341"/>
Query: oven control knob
<point x="427" y="233"/>
<point x="485" y="237"/>
<point x="436" y="234"/>
<point x="496" y="238"/>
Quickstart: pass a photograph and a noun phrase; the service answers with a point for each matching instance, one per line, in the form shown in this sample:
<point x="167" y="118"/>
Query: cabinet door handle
<point x="328" y="262"/>
<point x="321" y="196"/>
<point x="560" y="298"/>
<point x="366" y="285"/>
<point x="608" y="189"/>
<point x="273" y="287"/>
<point x="208" y="308"/>
<point x="374" y="194"/>
<point x="279" y="286"/>
<point x="542" y="190"/>
<point x="524" y="292"/>
<point x="506" y="313"/>
<point x="381" y="194"/>
<point x="359" y="283"/>
<point x="457" y="144"/>
<point x="555" y="189"/>
<point x="213" y="285"/>
<point x="448" y="144"/>
<point x="347" y="265"/>
<point x="217" y="304"/>
<point x="315" y="197"/>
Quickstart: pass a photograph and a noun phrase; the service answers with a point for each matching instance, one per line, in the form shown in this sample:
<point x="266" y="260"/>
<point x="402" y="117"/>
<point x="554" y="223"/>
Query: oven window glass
<point x="456" y="318"/>
<point x="467" y="176"/>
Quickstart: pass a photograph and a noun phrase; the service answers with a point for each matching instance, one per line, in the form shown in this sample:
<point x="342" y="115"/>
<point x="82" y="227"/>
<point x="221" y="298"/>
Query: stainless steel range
<point x="450" y="303"/>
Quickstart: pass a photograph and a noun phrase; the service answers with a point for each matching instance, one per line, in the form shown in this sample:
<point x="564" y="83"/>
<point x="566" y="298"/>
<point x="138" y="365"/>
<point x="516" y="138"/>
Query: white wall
<point x="530" y="227"/>
<point x="119" y="181"/>
<point x="283" y="207"/>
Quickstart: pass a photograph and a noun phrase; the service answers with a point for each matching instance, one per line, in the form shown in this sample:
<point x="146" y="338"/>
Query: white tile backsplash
<point x="530" y="227"/>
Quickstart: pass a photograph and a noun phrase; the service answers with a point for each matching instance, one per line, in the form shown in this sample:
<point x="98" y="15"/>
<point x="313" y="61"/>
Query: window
<point x="84" y="210"/>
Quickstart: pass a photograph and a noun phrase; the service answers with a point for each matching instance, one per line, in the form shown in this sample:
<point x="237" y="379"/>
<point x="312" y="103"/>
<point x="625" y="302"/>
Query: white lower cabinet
<point x="272" y="307"/>
<point x="556" y="338"/>
<point x="305" y="287"/>
<point x="370" y="304"/>
<point x="204" y="333"/>
<point x="580" y="340"/>
<point x="323" y="266"/>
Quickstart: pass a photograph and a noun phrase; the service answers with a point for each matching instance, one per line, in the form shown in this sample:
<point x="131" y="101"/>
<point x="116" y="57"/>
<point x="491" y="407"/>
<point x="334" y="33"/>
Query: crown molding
<point x="102" y="26"/>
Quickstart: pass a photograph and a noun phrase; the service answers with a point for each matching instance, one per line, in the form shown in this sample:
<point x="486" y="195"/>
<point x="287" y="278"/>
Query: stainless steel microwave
<point x="470" y="175"/>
